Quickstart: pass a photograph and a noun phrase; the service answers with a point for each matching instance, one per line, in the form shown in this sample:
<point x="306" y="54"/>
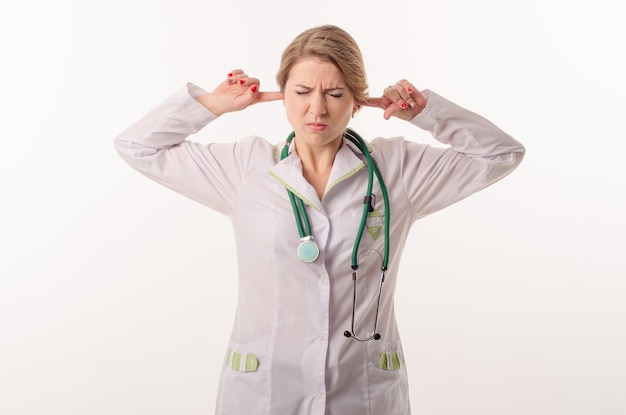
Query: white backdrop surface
<point x="117" y="295"/>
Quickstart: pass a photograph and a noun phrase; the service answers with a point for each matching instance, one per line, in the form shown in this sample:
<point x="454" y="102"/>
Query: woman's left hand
<point x="401" y="100"/>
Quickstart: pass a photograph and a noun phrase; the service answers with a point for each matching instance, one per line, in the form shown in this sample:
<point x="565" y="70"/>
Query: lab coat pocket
<point x="373" y="231"/>
<point x="375" y="224"/>
<point x="385" y="355"/>
<point x="242" y="362"/>
<point x="244" y="378"/>
<point x="390" y="360"/>
<point x="388" y="389"/>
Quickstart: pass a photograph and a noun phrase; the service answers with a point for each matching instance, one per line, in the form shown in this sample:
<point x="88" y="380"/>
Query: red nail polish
<point x="230" y="74"/>
<point x="241" y="81"/>
<point x="410" y="89"/>
<point x="254" y="88"/>
<point x="403" y="105"/>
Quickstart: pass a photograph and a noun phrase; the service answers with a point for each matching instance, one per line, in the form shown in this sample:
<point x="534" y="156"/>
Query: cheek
<point x="342" y="106"/>
<point x="343" y="111"/>
<point x="293" y="107"/>
<point x="292" y="112"/>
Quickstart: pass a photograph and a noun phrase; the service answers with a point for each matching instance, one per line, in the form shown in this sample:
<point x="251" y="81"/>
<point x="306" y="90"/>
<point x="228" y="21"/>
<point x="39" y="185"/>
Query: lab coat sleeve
<point x="476" y="154"/>
<point x="157" y="146"/>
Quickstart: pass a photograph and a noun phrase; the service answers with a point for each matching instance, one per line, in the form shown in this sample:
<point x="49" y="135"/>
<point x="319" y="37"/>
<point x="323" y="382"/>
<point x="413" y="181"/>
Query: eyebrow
<point x="325" y="90"/>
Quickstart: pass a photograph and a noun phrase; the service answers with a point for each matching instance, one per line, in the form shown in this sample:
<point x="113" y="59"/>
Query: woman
<point x="300" y="344"/>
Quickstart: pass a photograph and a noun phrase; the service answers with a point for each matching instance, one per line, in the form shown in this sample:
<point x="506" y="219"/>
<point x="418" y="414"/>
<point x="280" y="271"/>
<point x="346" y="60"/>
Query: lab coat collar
<point x="288" y="172"/>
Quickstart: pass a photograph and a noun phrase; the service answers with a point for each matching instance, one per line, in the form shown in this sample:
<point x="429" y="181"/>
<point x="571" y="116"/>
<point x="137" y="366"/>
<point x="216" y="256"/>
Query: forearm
<point x="167" y="125"/>
<point x="467" y="132"/>
<point x="477" y="154"/>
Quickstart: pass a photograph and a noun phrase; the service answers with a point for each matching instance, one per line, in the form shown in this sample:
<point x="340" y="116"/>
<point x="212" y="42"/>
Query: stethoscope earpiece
<point x="348" y="335"/>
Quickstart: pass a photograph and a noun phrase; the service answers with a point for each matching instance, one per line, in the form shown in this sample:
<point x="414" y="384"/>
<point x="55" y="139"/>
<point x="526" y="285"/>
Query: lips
<point x="316" y="126"/>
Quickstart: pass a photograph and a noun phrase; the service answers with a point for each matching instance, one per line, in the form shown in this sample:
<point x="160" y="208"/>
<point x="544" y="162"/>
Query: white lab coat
<point x="287" y="354"/>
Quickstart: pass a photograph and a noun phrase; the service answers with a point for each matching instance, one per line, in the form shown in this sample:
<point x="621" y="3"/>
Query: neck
<point x="317" y="163"/>
<point x="316" y="158"/>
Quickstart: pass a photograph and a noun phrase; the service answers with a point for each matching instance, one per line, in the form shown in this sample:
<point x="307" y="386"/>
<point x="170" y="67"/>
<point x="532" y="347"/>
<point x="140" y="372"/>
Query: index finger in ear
<point x="372" y="102"/>
<point x="269" y="96"/>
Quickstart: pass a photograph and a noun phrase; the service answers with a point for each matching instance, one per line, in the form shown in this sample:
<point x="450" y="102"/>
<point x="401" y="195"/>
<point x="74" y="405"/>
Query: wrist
<point x="207" y="101"/>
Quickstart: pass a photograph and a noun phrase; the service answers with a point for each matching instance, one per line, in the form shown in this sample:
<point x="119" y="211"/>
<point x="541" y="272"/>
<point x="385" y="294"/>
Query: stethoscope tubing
<point x="372" y="168"/>
<point x="304" y="226"/>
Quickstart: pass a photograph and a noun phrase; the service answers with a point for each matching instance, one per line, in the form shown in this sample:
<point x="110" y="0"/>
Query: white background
<point x="117" y="295"/>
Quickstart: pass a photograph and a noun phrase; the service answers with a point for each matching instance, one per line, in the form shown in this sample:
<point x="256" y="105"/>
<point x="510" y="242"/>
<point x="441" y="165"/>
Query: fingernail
<point x="230" y="74"/>
<point x="241" y="81"/>
<point x="254" y="88"/>
<point x="403" y="105"/>
<point x="410" y="89"/>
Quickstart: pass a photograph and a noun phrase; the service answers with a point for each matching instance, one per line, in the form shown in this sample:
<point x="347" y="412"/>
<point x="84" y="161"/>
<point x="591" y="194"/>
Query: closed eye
<point x="336" y="95"/>
<point x="335" y="92"/>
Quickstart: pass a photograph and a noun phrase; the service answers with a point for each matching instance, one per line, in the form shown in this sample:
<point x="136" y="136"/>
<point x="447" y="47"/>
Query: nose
<point x="317" y="105"/>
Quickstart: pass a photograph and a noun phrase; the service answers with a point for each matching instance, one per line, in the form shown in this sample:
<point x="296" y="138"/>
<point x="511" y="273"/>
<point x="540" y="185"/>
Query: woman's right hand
<point x="237" y="92"/>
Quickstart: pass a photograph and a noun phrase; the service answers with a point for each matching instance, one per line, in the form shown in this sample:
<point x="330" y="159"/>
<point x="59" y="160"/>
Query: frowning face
<point x="318" y="103"/>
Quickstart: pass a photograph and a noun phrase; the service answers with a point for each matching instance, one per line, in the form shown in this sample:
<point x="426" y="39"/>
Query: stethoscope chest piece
<point x="308" y="251"/>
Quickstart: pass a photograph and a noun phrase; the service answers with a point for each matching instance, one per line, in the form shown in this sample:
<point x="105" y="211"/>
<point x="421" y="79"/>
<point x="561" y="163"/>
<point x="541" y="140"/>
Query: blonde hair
<point x="329" y="43"/>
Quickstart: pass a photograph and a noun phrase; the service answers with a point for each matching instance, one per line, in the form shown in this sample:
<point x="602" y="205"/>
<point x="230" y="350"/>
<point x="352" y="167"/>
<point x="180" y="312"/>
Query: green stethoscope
<point x="308" y="250"/>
